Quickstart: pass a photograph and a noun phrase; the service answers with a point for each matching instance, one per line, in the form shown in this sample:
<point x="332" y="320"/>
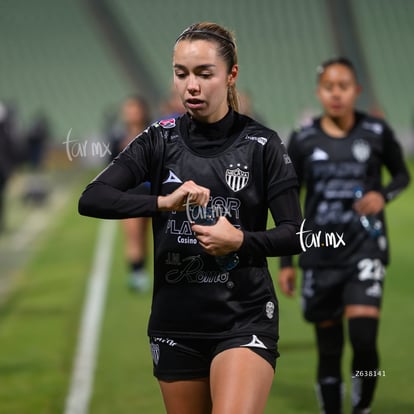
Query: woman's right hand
<point x="176" y="201"/>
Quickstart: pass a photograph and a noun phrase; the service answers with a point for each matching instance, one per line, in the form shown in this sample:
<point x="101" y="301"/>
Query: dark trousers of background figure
<point x="2" y="194"/>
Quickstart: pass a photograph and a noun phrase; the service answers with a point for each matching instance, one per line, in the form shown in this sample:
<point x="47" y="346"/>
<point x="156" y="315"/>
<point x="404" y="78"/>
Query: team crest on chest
<point x="237" y="177"/>
<point x="361" y="150"/>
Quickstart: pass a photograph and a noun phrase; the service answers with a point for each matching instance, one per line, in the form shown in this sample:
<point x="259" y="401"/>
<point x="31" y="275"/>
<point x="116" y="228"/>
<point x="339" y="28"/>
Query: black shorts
<point x="326" y="292"/>
<point x="188" y="358"/>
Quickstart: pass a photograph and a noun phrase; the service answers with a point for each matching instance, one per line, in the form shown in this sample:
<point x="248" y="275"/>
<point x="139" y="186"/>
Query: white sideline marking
<point x="77" y="401"/>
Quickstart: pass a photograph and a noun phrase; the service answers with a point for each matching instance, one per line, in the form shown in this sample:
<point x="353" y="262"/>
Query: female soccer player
<point x="339" y="159"/>
<point x="214" y="321"/>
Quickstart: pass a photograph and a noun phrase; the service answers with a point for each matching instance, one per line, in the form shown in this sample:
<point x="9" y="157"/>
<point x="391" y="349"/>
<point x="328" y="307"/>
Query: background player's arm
<point x="374" y="202"/>
<point x="287" y="280"/>
<point x="395" y="164"/>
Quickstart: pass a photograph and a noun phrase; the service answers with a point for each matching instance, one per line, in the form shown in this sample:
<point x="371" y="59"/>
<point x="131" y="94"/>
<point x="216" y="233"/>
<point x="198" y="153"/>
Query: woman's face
<point x="338" y="90"/>
<point x="133" y="113"/>
<point x="201" y="78"/>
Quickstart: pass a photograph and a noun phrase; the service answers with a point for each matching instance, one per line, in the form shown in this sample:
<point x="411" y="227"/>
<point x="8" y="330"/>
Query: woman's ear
<point x="233" y="75"/>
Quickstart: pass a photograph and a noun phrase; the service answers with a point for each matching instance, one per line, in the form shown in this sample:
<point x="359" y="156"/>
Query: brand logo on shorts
<point x="255" y="343"/>
<point x="287" y="159"/>
<point x="270" y="309"/>
<point x="375" y="290"/>
<point x="155" y="352"/>
<point x="237" y="178"/>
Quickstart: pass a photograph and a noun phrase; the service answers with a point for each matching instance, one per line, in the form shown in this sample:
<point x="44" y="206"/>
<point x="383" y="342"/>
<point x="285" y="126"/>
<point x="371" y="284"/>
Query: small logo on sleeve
<point x="172" y="178"/>
<point x="167" y="123"/>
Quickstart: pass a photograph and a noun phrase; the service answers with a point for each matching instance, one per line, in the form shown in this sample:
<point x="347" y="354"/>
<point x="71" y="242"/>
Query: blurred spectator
<point x="245" y="103"/>
<point x="377" y="111"/>
<point x="37" y="138"/>
<point x="246" y="106"/>
<point x="135" y="117"/>
<point x="306" y="116"/>
<point x="172" y="106"/>
<point x="8" y="155"/>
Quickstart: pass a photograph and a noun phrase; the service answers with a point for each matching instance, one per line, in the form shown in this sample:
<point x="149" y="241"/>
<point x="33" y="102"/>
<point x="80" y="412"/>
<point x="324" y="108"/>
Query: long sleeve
<point x="107" y="195"/>
<point x="294" y="154"/>
<point x="281" y="240"/>
<point x="394" y="161"/>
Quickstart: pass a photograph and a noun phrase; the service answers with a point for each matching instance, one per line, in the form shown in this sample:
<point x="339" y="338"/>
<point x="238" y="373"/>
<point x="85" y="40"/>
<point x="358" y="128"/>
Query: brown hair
<point x="335" y="61"/>
<point x="143" y="104"/>
<point x="227" y="49"/>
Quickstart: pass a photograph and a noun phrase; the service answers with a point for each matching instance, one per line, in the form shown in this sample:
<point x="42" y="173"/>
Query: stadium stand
<point x="280" y="44"/>
<point x="56" y="58"/>
<point x="53" y="60"/>
<point x="386" y="33"/>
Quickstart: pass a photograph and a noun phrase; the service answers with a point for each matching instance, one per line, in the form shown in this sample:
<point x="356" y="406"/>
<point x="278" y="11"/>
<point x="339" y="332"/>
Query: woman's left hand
<point x="371" y="203"/>
<point x="220" y="239"/>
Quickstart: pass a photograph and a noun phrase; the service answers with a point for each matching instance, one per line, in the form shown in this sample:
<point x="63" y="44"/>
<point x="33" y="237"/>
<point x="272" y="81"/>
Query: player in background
<point x="135" y="117"/>
<point x="338" y="159"/>
<point x="171" y="106"/>
<point x="214" y="175"/>
<point x="9" y="154"/>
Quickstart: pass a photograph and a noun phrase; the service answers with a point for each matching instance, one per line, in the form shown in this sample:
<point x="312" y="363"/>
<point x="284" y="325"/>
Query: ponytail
<point x="233" y="97"/>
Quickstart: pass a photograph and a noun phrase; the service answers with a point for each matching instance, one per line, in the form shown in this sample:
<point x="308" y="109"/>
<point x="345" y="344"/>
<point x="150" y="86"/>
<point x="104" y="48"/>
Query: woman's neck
<point x="209" y="137"/>
<point x="213" y="130"/>
<point x="338" y="127"/>
<point x="216" y="121"/>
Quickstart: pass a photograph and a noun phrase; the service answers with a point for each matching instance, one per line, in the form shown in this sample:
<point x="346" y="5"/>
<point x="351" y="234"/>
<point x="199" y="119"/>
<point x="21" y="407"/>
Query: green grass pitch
<point x="39" y="325"/>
